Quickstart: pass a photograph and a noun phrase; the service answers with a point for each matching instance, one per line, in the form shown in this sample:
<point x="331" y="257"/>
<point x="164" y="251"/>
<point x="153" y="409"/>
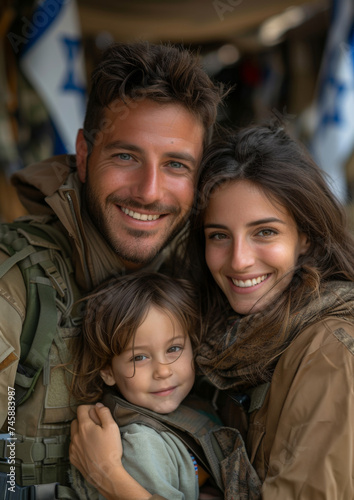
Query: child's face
<point x="157" y="372"/>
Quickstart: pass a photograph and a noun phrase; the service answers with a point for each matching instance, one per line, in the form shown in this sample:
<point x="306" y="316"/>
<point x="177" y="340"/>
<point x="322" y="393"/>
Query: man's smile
<point x="139" y="215"/>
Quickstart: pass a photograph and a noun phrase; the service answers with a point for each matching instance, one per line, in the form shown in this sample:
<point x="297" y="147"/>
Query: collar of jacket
<point x="52" y="187"/>
<point x="218" y="356"/>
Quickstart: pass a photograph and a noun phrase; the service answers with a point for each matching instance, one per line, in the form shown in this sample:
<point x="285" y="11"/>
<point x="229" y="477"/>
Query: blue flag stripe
<point x="42" y="19"/>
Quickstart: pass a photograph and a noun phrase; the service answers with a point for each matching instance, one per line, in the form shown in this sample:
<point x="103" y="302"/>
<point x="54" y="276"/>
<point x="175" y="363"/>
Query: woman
<point x="279" y="255"/>
<point x="277" y="247"/>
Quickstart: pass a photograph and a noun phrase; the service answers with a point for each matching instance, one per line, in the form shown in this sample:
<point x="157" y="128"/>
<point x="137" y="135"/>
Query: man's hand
<point x="96" y="451"/>
<point x="96" y="447"/>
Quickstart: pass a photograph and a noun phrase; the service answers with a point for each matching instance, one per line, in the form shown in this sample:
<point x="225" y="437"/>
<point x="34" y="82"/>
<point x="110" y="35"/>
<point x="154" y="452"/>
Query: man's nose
<point x="148" y="183"/>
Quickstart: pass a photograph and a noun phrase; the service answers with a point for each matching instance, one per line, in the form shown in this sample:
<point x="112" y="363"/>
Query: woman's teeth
<point x="248" y="283"/>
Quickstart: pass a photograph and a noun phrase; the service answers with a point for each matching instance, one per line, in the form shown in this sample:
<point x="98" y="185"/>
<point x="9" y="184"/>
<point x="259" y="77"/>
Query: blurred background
<point x="290" y="58"/>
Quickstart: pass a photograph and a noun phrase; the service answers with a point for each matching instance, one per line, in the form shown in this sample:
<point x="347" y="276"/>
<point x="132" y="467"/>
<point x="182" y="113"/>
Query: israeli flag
<point x="52" y="60"/>
<point x="333" y="140"/>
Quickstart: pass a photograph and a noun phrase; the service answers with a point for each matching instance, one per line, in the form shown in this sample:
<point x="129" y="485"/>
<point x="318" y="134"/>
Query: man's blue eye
<point x="124" y="156"/>
<point x="176" y="164"/>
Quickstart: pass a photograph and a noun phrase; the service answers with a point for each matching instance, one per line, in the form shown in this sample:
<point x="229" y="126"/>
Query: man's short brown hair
<point x="131" y="72"/>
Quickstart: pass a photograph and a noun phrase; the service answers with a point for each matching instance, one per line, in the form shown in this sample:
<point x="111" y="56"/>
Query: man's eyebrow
<point x="250" y="224"/>
<point x="179" y="155"/>
<point x="123" y="145"/>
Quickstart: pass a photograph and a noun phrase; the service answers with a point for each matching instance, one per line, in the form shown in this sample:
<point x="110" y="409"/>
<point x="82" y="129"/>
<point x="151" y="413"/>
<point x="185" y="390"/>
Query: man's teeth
<point x="137" y="215"/>
<point x="248" y="283"/>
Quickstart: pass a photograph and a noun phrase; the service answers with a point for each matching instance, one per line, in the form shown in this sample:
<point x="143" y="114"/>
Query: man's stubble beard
<point x="127" y="252"/>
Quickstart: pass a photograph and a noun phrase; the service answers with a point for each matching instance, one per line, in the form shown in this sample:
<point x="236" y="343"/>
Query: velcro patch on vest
<point x="8" y="361"/>
<point x="7" y="354"/>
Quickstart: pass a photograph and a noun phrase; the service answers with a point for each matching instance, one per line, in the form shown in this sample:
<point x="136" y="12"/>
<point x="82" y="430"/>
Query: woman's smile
<point x="252" y="245"/>
<point x="249" y="282"/>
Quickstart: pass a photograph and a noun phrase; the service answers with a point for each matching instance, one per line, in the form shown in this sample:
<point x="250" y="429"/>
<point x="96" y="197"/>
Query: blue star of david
<point x="71" y="81"/>
<point x="332" y="105"/>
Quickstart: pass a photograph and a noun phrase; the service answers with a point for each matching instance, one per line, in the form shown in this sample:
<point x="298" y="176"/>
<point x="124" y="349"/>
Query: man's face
<point x="140" y="176"/>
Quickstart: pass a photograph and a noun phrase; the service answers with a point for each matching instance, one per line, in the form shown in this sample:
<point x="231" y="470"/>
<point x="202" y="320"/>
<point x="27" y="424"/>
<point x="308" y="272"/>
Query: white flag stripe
<point x="54" y="65"/>
<point x="333" y="140"/>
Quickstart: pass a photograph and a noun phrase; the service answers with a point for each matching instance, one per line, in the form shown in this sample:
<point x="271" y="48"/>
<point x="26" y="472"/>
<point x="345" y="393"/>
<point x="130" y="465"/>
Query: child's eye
<point x="139" y="357"/>
<point x="174" y="348"/>
<point x="174" y="352"/>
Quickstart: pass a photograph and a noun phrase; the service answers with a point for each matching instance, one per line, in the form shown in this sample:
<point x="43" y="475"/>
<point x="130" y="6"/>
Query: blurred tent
<point x="269" y="51"/>
<point x="188" y="21"/>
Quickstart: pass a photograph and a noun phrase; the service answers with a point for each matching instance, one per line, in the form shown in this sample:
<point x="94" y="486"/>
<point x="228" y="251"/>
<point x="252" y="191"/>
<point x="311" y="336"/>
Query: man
<point x="114" y="208"/>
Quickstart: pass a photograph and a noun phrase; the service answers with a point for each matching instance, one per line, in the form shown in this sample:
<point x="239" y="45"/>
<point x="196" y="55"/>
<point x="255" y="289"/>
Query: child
<point x="138" y="335"/>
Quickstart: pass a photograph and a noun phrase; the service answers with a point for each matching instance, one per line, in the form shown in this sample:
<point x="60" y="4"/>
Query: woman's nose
<point x="242" y="255"/>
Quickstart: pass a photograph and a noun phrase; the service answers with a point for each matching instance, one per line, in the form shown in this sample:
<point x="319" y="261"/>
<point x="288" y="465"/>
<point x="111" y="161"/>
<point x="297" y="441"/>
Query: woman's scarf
<point x="218" y="357"/>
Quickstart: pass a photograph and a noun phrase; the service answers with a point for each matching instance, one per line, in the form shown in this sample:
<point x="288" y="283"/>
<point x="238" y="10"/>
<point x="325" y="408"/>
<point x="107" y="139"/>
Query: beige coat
<point x="301" y="441"/>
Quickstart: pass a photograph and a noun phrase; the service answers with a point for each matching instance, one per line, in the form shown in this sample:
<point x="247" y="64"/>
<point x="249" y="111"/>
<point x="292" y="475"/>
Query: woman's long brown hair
<point x="283" y="169"/>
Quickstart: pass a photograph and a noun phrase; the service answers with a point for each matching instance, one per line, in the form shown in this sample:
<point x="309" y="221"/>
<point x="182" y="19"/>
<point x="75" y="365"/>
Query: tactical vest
<point x="43" y="255"/>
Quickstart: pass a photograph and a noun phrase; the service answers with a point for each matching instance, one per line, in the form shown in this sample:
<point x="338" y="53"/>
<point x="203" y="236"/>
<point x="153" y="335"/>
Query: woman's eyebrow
<point x="265" y="221"/>
<point x="218" y="226"/>
<point x="249" y="224"/>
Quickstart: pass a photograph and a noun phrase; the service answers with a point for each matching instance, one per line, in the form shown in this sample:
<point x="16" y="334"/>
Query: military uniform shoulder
<point x="46" y="176"/>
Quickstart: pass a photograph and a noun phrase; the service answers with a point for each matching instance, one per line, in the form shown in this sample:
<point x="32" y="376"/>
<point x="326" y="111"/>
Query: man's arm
<point x="12" y="314"/>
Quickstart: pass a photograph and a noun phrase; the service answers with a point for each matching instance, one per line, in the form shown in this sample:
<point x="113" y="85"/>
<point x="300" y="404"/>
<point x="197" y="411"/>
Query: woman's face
<point x="250" y="244"/>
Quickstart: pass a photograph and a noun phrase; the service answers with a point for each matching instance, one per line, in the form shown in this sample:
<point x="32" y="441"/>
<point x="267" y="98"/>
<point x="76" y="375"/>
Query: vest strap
<point x="51" y="491"/>
<point x="38" y="460"/>
<point x="15" y="258"/>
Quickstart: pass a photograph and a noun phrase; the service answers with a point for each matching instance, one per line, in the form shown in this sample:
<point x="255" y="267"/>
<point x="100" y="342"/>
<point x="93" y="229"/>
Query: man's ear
<point x="107" y="375"/>
<point x="81" y="155"/>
